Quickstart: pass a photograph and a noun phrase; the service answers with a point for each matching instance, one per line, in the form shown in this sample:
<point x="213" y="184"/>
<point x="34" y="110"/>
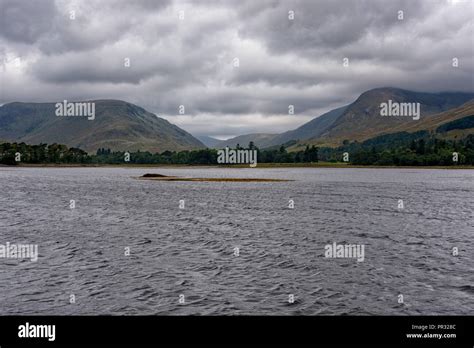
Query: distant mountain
<point x="361" y="120"/>
<point x="118" y="125"/>
<point x="311" y="129"/>
<point x="260" y="140"/>
<point x="208" y="141"/>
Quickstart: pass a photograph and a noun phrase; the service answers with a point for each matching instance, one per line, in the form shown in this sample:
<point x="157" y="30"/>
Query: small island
<point x="161" y="177"/>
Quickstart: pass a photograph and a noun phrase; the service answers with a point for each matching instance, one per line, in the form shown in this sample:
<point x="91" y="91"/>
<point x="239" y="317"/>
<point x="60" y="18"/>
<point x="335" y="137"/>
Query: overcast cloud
<point x="47" y="56"/>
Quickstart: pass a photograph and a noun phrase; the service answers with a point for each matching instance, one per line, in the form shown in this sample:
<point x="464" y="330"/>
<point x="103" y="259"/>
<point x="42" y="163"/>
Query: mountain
<point x="260" y="140"/>
<point x="361" y="120"/>
<point x="208" y="141"/>
<point x="118" y="125"/>
<point x="453" y="122"/>
<point x="311" y="129"/>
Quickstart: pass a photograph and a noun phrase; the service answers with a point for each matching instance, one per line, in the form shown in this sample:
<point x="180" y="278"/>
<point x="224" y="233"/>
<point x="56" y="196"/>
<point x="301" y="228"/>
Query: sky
<point x="223" y="68"/>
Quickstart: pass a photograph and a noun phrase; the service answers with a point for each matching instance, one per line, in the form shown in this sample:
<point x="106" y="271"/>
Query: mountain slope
<point x="208" y="141"/>
<point x="260" y="140"/>
<point x="118" y="125"/>
<point x="435" y="122"/>
<point x="361" y="120"/>
<point x="311" y="129"/>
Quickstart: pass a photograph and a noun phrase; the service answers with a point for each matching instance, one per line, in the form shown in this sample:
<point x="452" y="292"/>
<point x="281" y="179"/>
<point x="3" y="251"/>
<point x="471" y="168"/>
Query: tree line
<point x="401" y="149"/>
<point x="15" y="153"/>
<point x="405" y="149"/>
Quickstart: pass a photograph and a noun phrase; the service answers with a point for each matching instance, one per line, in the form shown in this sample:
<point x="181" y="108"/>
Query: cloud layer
<point x="235" y="66"/>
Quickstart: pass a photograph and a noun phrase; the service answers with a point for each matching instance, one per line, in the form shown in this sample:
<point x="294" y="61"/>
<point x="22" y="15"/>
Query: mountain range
<point x="123" y="126"/>
<point x="361" y="119"/>
<point x="118" y="125"/>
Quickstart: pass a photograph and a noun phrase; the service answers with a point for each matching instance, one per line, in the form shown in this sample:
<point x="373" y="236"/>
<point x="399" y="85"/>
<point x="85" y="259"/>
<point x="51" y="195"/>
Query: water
<point x="190" y="252"/>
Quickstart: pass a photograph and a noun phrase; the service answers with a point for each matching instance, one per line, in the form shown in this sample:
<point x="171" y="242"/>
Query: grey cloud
<point x="189" y="62"/>
<point x="25" y="21"/>
<point x="322" y="26"/>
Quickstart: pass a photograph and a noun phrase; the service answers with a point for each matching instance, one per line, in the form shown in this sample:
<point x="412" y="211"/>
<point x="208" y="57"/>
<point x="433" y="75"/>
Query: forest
<point x="400" y="149"/>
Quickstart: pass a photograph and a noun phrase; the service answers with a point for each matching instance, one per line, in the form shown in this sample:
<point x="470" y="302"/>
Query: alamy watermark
<point x="241" y="156"/>
<point x="392" y="108"/>
<point x="19" y="251"/>
<point x="37" y="331"/>
<point x="84" y="109"/>
<point x="335" y="250"/>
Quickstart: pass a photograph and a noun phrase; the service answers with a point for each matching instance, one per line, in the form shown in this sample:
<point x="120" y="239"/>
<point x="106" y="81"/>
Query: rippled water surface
<point x="281" y="251"/>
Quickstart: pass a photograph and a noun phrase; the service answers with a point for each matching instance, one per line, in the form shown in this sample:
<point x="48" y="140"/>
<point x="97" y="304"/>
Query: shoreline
<point x="236" y="166"/>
